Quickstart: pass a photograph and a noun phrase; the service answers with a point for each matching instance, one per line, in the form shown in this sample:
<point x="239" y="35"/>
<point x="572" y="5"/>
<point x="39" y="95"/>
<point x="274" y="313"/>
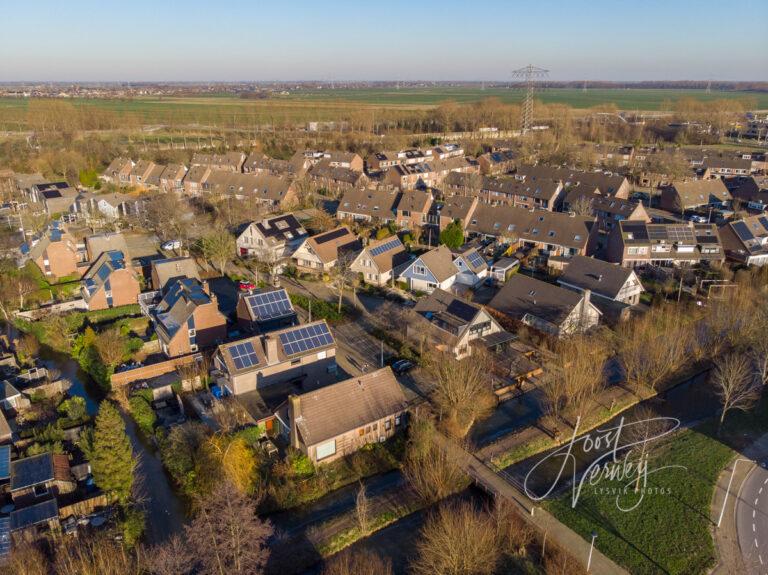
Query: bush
<point x="73" y="408"/>
<point x="132" y="526"/>
<point x="320" y="309"/>
<point x="142" y="413"/>
<point x="382" y="233"/>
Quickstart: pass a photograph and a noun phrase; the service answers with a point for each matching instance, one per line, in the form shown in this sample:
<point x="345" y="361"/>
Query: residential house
<point x="503" y="268"/>
<point x="410" y="176"/>
<point x="152" y="180"/>
<point x="172" y="178"/>
<point x="140" y="173"/>
<point x="54" y="252"/>
<point x="54" y="197"/>
<point x="751" y="191"/>
<point x="497" y="162"/>
<point x="258" y="163"/>
<point x="540" y="193"/>
<point x="552" y="233"/>
<point x="607" y="183"/>
<point x="681" y="197"/>
<point x="273" y="192"/>
<point x="724" y="166"/>
<point x="110" y="282"/>
<point x="412" y="209"/>
<point x="607" y="209"/>
<point x="450" y="323"/>
<point x="34" y="516"/>
<point x="365" y="205"/>
<point x="188" y="319"/>
<point x="442" y="167"/>
<point x="548" y="308"/>
<point x="377" y="262"/>
<point x="382" y="161"/>
<point x="452" y="209"/>
<point x="347" y="160"/>
<point x="302" y="354"/>
<point x="320" y="253"/>
<point x="229" y="161"/>
<point x="607" y="282"/>
<point x="273" y="238"/>
<point x="440" y="268"/>
<point x="446" y="151"/>
<point x="746" y="240"/>
<point x="10" y="397"/>
<point x="336" y="178"/>
<point x="195" y="179"/>
<point x="339" y="419"/>
<point x="634" y="244"/>
<point x="118" y="172"/>
<point x="263" y="310"/>
<point x="166" y="270"/>
<point x="40" y="477"/>
<point x="116" y="205"/>
<point x="97" y="244"/>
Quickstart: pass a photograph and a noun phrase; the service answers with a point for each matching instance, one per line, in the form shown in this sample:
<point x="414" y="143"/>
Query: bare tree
<point x="25" y="559"/>
<point x="462" y="389"/>
<point x="457" y="539"/>
<point x="96" y="556"/>
<point x="430" y="470"/>
<point x="734" y="384"/>
<point x="219" y="248"/>
<point x="342" y="273"/>
<point x="363" y="510"/>
<point x="174" y="557"/>
<point x="227" y="535"/>
<point x="582" y="206"/>
<point x="27" y="348"/>
<point x="268" y="262"/>
<point x="357" y="563"/>
<point x="645" y="426"/>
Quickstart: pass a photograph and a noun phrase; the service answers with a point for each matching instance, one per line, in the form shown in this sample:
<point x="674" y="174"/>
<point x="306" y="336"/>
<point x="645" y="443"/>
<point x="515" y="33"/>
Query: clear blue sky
<point x="133" y="40"/>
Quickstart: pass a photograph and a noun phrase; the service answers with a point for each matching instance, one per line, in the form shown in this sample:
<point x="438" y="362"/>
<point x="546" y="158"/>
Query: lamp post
<point x="591" y="548"/>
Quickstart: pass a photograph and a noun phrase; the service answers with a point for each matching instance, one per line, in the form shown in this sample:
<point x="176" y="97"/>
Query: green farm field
<point x="326" y="105"/>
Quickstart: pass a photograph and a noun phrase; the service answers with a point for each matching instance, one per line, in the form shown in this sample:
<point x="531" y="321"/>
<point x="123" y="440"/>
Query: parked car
<point x="245" y="285"/>
<point x="171" y="245"/>
<point x="402" y="366"/>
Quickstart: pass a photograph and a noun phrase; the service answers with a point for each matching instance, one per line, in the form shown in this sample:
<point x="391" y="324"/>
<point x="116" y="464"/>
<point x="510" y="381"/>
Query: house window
<point x="421" y="270"/>
<point x="361" y="432"/>
<point x="40" y="490"/>
<point x="375" y="426"/>
<point x="388" y="424"/>
<point x="397" y="420"/>
<point x="326" y="449"/>
<point x="296" y="361"/>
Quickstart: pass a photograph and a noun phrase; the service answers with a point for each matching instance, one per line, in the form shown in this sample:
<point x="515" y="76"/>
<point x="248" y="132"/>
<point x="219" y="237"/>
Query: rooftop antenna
<point x="529" y="75"/>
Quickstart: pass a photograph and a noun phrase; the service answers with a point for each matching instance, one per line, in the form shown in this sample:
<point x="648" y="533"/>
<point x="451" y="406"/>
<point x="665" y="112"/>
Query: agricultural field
<point x="361" y="105"/>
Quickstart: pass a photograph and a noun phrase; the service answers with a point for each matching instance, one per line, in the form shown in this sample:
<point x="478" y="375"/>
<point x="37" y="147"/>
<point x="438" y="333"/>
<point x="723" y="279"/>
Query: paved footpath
<point x="568" y="539"/>
<point x="742" y="538"/>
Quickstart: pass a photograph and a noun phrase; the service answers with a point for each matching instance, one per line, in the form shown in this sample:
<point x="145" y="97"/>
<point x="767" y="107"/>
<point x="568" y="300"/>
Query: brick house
<point x="303" y="354"/>
<point x="279" y="236"/>
<point x="339" y="419"/>
<point x="412" y="209"/>
<point x="606" y="281"/>
<point x="633" y="244"/>
<point x="320" y="253"/>
<point x="187" y="318"/>
<point x="229" y="161"/>
<point x="55" y="252"/>
<point x="365" y="205"/>
<point x="167" y="270"/>
<point x="110" y="282"/>
<point x="690" y="195"/>
<point x="118" y="172"/>
<point x="498" y="162"/>
<point x="377" y="261"/>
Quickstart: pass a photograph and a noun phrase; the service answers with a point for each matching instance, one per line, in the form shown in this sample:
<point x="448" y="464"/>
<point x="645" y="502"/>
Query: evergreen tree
<point x="453" y="235"/>
<point x="113" y="461"/>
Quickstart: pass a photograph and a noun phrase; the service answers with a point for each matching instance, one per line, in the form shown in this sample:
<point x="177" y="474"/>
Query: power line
<point x="529" y="74"/>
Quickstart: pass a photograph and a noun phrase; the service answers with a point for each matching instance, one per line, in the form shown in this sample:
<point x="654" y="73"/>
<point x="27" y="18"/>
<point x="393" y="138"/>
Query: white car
<point x="171" y="245"/>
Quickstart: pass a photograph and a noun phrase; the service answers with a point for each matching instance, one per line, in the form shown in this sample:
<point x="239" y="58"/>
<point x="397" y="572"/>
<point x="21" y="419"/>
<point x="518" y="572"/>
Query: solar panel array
<point x="306" y="338"/>
<point x="763" y="220"/>
<point x="385" y="247"/>
<point x="332" y="235"/>
<point x="742" y="231"/>
<point x="671" y="233"/>
<point x="269" y="305"/>
<point x="5" y="461"/>
<point x="244" y="355"/>
<point x="461" y="310"/>
<point x="475" y="259"/>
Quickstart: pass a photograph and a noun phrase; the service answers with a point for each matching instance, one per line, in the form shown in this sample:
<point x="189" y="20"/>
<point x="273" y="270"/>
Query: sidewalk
<point x="726" y="536"/>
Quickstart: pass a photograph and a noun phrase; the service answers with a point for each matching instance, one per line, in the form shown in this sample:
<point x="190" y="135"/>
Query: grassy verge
<point x="348" y="537"/>
<point x="595" y="418"/>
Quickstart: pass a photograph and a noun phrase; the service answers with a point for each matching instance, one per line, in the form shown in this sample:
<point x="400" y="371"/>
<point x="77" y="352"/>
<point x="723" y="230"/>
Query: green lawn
<point x="667" y="533"/>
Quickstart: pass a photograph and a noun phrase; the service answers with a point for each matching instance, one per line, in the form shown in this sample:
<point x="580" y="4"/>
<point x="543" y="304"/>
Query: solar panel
<point x="5" y="536"/>
<point x="475" y="259"/>
<point x="103" y="272"/>
<point x="116" y="255"/>
<point x="55" y="235"/>
<point x="306" y="338"/>
<point x="333" y="235"/>
<point x="461" y="310"/>
<point x="270" y="305"/>
<point x="763" y="220"/>
<point x="34" y="514"/>
<point x="244" y="355"/>
<point x="742" y="231"/>
<point x="385" y="247"/>
<point x="5" y="461"/>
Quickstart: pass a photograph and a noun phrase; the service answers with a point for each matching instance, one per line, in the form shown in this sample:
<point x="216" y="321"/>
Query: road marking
<point x="753" y="528"/>
<point x="760" y="490"/>
<point x="753" y="514"/>
<point x="756" y="543"/>
<point x="761" y="559"/>
<point x="765" y="481"/>
<point x="756" y="498"/>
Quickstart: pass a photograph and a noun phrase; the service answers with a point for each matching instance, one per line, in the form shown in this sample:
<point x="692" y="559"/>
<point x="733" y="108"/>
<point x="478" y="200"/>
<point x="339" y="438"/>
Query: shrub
<point x="132" y="525"/>
<point x="142" y="413"/>
<point x="73" y="408"/>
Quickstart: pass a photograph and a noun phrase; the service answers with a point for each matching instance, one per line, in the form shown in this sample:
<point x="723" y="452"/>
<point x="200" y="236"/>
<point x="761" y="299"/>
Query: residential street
<point x="752" y="519"/>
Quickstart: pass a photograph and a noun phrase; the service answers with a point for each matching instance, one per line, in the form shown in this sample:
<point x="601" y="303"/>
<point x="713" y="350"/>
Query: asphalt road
<point x="752" y="520"/>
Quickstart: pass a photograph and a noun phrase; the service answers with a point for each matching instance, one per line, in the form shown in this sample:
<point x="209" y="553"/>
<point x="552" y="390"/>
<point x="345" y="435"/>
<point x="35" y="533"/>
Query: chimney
<point x="294" y="413"/>
<point x="585" y="307"/>
<point x="271" y="345"/>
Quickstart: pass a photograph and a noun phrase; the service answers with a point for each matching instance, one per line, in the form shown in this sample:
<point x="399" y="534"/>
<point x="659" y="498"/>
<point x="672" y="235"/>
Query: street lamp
<point x="591" y="548"/>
